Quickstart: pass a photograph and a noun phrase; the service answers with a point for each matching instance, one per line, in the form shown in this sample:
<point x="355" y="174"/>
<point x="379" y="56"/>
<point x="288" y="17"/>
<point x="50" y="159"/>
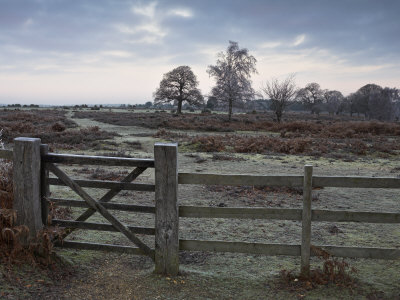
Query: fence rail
<point x="220" y="179"/>
<point x="289" y="180"/>
<point x="293" y="214"/>
<point x="286" y="249"/>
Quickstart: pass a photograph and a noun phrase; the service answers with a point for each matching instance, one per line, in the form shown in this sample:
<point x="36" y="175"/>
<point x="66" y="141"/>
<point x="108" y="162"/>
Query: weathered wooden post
<point x="26" y="183"/>
<point x="306" y="221"/>
<point x="167" y="215"/>
<point x="44" y="185"/>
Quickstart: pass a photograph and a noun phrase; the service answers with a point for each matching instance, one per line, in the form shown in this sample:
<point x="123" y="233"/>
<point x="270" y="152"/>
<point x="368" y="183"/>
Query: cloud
<point x="117" y="53"/>
<point x="181" y="12"/>
<point x="145" y="10"/>
<point x="147" y="31"/>
<point x="29" y="22"/>
<point x="270" y="45"/>
<point x="299" y="40"/>
<point x="152" y="28"/>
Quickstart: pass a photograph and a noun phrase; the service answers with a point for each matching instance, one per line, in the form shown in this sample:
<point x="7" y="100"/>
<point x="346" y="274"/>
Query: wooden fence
<point x="307" y="215"/>
<point x="167" y="212"/>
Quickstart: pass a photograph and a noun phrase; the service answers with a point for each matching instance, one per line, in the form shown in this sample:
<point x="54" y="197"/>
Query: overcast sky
<point x="111" y="51"/>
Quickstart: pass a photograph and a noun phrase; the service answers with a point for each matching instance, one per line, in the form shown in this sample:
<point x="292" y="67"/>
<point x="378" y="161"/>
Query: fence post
<point x="166" y="203"/>
<point x="44" y="185"/>
<point x="306" y="222"/>
<point x="26" y="184"/>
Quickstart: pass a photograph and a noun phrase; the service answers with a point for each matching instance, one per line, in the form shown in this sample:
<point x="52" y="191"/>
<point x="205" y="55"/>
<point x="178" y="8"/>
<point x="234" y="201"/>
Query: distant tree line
<point x="233" y="91"/>
<point x="371" y="100"/>
<point x="25" y="105"/>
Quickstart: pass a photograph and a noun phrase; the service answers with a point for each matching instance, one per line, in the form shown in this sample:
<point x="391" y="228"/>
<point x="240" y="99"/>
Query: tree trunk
<point x="230" y="110"/>
<point x="278" y="116"/>
<point x="179" y="110"/>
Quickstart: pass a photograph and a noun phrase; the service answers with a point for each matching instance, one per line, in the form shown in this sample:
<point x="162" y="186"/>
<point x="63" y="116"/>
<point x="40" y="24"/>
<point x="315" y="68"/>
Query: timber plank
<point x="100" y="226"/>
<point x="354" y="216"/>
<point x="105" y="184"/>
<point x="113" y="206"/>
<point x="356" y="182"/>
<point x="98" y="160"/>
<point x="240" y="212"/>
<point x="287" y="249"/>
<point x="232" y="179"/>
<point x="101" y="247"/>
<point x="362" y="252"/>
<point x="240" y="247"/>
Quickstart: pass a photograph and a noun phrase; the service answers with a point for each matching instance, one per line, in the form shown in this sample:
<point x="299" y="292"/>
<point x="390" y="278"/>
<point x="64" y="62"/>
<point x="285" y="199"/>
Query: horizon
<point x="63" y="53"/>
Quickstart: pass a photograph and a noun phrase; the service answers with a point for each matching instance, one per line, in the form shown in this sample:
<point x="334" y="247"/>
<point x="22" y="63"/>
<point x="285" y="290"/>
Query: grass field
<point x="251" y="144"/>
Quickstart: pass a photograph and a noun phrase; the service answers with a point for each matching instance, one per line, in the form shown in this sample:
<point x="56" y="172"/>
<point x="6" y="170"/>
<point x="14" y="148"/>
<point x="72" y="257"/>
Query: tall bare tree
<point x="280" y="93"/>
<point x="232" y="73"/>
<point x="179" y="85"/>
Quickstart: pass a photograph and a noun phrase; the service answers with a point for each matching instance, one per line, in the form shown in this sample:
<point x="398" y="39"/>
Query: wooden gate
<point x="101" y="206"/>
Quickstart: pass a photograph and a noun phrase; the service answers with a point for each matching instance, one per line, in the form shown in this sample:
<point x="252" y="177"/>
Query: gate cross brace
<point x="106" y="198"/>
<point x="95" y="205"/>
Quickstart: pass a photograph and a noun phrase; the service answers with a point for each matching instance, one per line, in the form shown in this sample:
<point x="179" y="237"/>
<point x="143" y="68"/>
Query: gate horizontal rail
<point x="98" y="160"/>
<point x="105" y="184"/>
<point x="112" y="206"/>
<point x="100" y="226"/>
<point x="101" y="247"/>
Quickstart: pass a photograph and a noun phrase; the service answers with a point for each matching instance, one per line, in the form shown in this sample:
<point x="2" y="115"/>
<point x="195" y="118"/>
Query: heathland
<point x="209" y="143"/>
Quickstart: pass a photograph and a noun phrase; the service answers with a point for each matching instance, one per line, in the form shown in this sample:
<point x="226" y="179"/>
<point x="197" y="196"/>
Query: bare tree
<point x="232" y="73"/>
<point x="312" y="97"/>
<point x="179" y="85"/>
<point x="280" y="93"/>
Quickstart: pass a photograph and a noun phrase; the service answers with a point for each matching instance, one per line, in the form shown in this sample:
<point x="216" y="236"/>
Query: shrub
<point x="6" y="185"/>
<point x="1" y="140"/>
<point x="335" y="271"/>
<point x="357" y="147"/>
<point x="208" y="144"/>
<point x="58" y="127"/>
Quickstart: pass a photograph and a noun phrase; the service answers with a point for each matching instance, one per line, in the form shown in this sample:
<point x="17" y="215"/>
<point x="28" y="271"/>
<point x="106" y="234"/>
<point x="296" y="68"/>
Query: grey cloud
<point x="357" y="30"/>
